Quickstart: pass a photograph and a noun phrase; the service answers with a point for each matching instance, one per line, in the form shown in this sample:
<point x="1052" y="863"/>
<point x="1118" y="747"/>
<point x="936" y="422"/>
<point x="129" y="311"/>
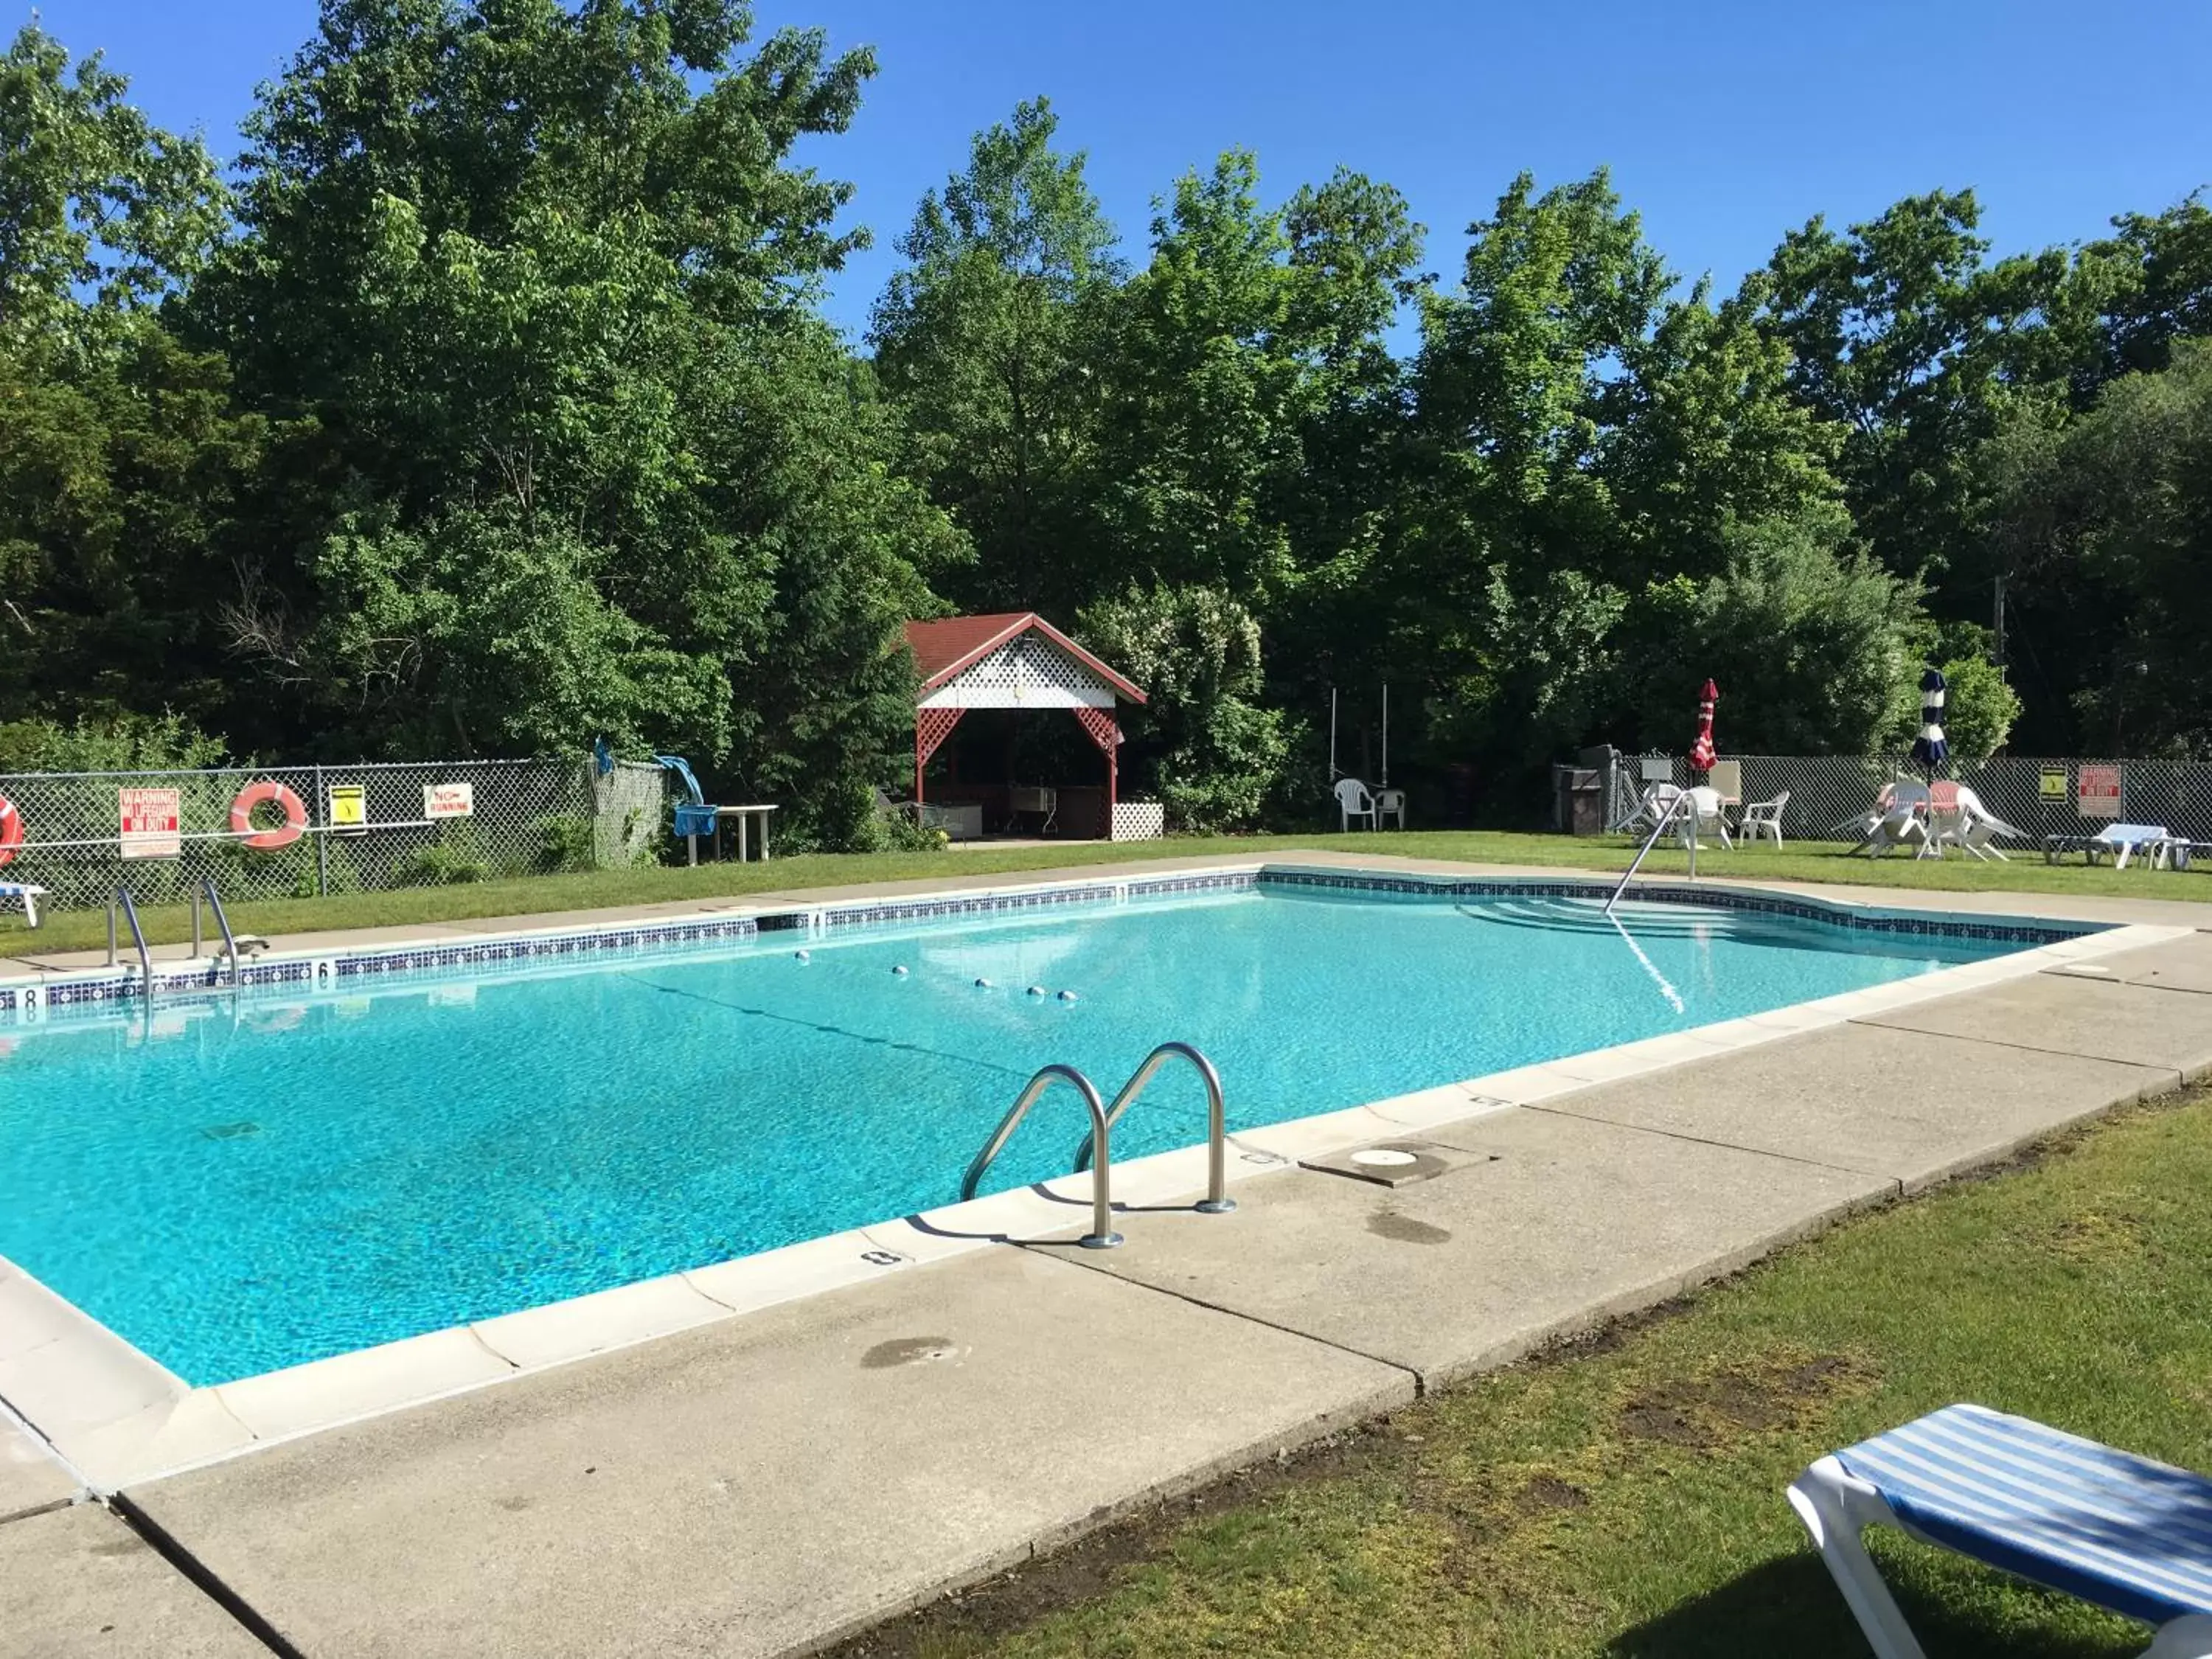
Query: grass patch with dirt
<point x="1625" y="1497"/>
<point x="1817" y="861"/>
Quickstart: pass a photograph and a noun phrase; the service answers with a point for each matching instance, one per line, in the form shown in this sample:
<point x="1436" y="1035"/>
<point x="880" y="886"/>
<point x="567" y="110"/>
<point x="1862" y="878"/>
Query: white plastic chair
<point x="1764" y="819"/>
<point x="1704" y="817"/>
<point x="1657" y="798"/>
<point x="1352" y="801"/>
<point x="1390" y="804"/>
<point x="1899" y="816"/>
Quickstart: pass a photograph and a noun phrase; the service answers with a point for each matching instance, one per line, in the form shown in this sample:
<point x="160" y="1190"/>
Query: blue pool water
<point x="235" y="1193"/>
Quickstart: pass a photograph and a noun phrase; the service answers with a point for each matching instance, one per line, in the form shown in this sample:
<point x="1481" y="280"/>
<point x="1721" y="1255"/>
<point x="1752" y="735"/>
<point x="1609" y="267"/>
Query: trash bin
<point x="1578" y="799"/>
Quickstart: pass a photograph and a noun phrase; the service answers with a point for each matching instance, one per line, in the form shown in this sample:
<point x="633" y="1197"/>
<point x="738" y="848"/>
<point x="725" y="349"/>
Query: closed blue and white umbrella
<point x="1929" y="748"/>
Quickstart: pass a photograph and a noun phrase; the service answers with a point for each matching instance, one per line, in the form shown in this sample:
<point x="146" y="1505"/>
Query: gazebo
<point x="1016" y="660"/>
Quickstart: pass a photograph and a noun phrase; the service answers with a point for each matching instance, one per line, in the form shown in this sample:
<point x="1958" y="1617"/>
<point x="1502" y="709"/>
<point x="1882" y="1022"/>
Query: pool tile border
<point x="156" y="1425"/>
<point x="34" y="999"/>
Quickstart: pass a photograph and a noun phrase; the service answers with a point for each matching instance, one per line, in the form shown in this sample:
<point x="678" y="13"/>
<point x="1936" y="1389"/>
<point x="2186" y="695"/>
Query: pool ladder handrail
<point x="1101" y="1235"/>
<point x="1672" y="811"/>
<point x="138" y="934"/>
<point x="229" y="938"/>
<point x="1217" y="1200"/>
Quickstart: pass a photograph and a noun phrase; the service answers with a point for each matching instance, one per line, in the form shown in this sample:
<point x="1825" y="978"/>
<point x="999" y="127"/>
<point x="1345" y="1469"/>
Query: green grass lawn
<point x="1798" y="861"/>
<point x="1626" y="1498"/>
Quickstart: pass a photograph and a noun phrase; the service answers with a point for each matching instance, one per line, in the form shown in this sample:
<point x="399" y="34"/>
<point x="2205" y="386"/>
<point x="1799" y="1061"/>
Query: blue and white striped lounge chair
<point x="29" y="894"/>
<point x="2120" y="1531"/>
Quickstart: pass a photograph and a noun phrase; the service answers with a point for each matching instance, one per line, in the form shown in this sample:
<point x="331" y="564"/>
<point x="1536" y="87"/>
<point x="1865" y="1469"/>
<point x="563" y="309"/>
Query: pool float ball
<point x="982" y="984"/>
<point x="804" y="955"/>
<point x="900" y="970"/>
<point x="1036" y="990"/>
<point x="1067" y="996"/>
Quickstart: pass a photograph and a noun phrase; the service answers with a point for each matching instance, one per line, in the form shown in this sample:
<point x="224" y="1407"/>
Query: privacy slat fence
<point x="525" y="817"/>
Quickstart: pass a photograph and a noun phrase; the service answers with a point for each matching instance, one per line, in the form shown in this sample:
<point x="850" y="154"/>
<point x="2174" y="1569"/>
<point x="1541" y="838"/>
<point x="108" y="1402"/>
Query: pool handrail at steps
<point x="1667" y="814"/>
<point x="229" y="938"/>
<point x="1101" y="1235"/>
<point x="1217" y="1200"/>
<point x="138" y="935"/>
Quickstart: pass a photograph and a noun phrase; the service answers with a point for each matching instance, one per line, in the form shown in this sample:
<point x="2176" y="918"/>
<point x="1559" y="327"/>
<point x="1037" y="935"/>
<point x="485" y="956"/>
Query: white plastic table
<point x="744" y="815"/>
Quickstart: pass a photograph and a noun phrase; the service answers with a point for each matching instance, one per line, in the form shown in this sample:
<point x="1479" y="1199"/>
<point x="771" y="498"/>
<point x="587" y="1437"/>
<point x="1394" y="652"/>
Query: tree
<point x="1906" y="336"/>
<point x="1205" y="744"/>
<point x="2117" y="507"/>
<point x="984" y="343"/>
<point x="534" y="285"/>
<point x="119" y="453"/>
<point x="101" y="212"/>
<point x="1816" y="647"/>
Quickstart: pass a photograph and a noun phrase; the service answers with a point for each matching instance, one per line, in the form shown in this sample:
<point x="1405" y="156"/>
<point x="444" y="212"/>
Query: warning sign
<point x="2096" y="792"/>
<point x="150" y="819"/>
<point x="449" y="800"/>
<point x="2051" y="786"/>
<point x="349" y="808"/>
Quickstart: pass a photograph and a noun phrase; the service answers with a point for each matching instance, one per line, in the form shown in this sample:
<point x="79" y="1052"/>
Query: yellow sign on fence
<point x="2051" y="785"/>
<point x="349" y="807"/>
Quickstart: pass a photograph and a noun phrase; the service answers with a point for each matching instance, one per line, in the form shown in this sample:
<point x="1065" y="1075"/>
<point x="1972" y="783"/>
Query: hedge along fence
<point x="524" y="818"/>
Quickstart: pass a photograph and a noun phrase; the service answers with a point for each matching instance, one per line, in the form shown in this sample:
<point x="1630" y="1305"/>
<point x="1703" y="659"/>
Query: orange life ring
<point x="256" y="794"/>
<point x="11" y="830"/>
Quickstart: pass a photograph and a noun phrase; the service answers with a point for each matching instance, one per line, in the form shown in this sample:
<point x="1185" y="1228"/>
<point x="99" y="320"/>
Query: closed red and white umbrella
<point x="1702" y="753"/>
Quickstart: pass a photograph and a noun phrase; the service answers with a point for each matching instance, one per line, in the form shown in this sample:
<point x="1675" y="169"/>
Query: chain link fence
<point x="2036" y="796"/>
<point x="368" y="828"/>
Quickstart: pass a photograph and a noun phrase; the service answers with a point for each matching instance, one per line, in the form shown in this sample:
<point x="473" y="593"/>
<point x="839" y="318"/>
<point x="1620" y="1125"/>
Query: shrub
<point x="455" y="858"/>
<point x="566" y="844"/>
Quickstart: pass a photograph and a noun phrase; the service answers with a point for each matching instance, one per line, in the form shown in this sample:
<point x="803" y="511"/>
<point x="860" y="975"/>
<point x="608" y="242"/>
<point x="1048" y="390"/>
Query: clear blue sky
<point x="1725" y="123"/>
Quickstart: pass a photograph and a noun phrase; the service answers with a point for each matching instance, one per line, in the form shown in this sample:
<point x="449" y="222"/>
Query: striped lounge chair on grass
<point x="2120" y="1531"/>
<point x="29" y="895"/>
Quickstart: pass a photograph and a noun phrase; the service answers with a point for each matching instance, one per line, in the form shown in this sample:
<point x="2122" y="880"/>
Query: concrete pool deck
<point x="771" y="1480"/>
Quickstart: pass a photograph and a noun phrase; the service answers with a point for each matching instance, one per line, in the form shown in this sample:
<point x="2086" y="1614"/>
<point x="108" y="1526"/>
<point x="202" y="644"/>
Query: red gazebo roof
<point x="946" y="646"/>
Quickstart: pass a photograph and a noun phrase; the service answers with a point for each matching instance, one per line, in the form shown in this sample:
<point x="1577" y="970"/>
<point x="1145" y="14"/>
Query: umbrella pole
<point x="1332" y="734"/>
<point x="1386" y="734"/>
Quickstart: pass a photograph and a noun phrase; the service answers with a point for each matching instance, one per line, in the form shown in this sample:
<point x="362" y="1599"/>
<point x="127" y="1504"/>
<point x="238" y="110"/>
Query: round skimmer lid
<point x="1383" y="1158"/>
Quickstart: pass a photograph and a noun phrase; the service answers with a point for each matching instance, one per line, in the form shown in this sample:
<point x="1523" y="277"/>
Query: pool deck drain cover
<point x="1395" y="1163"/>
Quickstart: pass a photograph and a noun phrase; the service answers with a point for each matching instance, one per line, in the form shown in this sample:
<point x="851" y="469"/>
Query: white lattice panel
<point x="1027" y="673"/>
<point x="1139" y="820"/>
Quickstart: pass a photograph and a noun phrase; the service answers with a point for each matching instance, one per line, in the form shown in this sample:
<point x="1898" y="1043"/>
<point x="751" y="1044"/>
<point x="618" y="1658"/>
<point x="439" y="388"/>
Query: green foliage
<point x="566" y="843"/>
<point x="456" y="856"/>
<point x="112" y="741"/>
<point x="1815" y="647"/>
<point x="2111" y="516"/>
<point x="101" y="211"/>
<point x="1981" y="704"/>
<point x="983" y="339"/>
<point x="1211" y="753"/>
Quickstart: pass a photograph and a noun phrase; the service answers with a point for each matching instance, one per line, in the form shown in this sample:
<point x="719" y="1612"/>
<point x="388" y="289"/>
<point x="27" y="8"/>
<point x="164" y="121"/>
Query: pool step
<point x="1646" y="921"/>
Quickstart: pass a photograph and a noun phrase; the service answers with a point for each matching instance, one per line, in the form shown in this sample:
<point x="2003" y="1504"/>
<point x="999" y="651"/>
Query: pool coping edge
<point x="170" y="1427"/>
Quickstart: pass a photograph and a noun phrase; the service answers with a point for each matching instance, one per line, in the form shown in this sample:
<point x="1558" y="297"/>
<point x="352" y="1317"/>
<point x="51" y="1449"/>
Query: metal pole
<point x="1386" y="734"/>
<point x="195" y="924"/>
<point x="1332" y="734"/>
<point x="110" y="930"/>
<point x="322" y="842"/>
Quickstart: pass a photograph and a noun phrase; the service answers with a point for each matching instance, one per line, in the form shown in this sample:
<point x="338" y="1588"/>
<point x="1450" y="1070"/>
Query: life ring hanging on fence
<point x="11" y="830"/>
<point x="256" y="794"/>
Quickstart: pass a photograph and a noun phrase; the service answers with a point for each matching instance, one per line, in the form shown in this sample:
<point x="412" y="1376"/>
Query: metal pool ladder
<point x="229" y="938"/>
<point x="138" y="934"/>
<point x="1217" y="1200"/>
<point x="1101" y="1235"/>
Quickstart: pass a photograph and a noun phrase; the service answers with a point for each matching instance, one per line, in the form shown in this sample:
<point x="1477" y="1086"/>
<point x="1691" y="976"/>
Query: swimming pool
<point x="232" y="1189"/>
